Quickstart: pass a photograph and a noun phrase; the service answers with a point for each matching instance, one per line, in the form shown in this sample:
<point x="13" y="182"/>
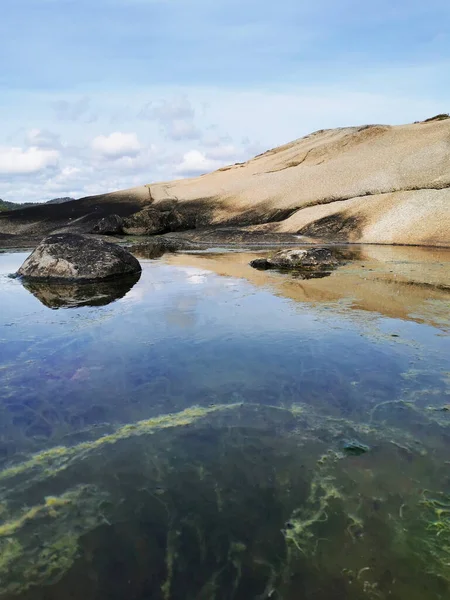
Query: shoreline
<point x="205" y="239"/>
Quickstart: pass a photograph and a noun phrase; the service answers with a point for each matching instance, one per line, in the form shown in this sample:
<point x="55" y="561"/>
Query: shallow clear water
<point x="216" y="432"/>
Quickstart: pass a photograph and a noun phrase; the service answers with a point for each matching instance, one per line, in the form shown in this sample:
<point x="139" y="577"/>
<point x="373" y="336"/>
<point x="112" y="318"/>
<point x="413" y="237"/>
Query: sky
<point x="106" y="95"/>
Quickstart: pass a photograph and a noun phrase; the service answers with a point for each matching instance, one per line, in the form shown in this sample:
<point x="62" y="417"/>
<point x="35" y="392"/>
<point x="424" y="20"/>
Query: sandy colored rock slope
<point x="372" y="184"/>
<point x="376" y="184"/>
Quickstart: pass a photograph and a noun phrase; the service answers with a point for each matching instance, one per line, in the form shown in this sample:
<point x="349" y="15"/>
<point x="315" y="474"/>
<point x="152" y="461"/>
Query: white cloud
<point x="74" y="110"/>
<point x="196" y="163"/>
<point x="176" y="108"/>
<point x="42" y="138"/>
<point x="212" y="138"/>
<point x="223" y="152"/>
<point x="31" y="160"/>
<point x="117" y="145"/>
<point x="179" y="130"/>
<point x="69" y="172"/>
<point x="176" y="117"/>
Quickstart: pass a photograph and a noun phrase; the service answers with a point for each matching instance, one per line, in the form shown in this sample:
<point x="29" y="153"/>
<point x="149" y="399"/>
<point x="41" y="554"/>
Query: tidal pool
<point x="213" y="432"/>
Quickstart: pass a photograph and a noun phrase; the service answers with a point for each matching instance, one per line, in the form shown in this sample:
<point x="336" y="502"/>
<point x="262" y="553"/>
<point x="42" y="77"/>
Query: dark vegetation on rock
<point x="60" y="200"/>
<point x="5" y="205"/>
<point x="69" y="256"/>
<point x="440" y="117"/>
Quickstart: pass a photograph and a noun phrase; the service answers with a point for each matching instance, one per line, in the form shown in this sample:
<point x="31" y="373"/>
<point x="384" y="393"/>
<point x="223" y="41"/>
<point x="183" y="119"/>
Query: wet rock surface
<point x="110" y="225"/>
<point x="159" y="245"/>
<point x="151" y="221"/>
<point x="309" y="258"/>
<point x="69" y="256"/>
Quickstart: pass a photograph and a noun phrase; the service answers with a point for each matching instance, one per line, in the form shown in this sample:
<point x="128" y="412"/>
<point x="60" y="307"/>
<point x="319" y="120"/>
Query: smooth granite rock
<point x="70" y="256"/>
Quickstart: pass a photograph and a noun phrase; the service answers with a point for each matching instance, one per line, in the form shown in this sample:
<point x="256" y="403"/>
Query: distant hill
<point x="5" y="205"/>
<point x="60" y="200"/>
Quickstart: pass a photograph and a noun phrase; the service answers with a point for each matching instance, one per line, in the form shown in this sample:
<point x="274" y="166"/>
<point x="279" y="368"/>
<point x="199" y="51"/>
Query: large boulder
<point x="71" y="256"/>
<point x="110" y="225"/>
<point x="151" y="221"/>
<point x="147" y="221"/>
<point x="309" y="258"/>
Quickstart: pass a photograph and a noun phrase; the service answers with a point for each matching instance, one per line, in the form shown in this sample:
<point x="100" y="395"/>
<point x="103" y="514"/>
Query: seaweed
<point x="40" y="543"/>
<point x="230" y="501"/>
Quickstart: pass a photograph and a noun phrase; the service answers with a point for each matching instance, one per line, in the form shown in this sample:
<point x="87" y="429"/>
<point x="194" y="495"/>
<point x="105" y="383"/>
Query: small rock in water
<point x="445" y="408"/>
<point x="354" y="448"/>
<point x="309" y="258"/>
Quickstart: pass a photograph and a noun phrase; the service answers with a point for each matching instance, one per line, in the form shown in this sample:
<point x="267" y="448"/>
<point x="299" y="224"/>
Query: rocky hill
<point x="5" y="205"/>
<point x="371" y="184"/>
<point x="60" y="200"/>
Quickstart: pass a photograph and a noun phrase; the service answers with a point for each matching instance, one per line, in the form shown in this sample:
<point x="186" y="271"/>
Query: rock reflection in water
<point x="75" y="294"/>
<point x="406" y="283"/>
<point x="310" y="274"/>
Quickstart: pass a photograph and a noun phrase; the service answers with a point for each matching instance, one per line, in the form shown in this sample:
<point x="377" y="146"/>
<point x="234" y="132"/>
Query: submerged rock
<point x="309" y="258"/>
<point x="70" y="256"/>
<point x="110" y="225"/>
<point x="354" y="448"/>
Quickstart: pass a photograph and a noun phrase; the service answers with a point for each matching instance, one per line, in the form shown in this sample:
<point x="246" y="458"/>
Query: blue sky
<point x="96" y="96"/>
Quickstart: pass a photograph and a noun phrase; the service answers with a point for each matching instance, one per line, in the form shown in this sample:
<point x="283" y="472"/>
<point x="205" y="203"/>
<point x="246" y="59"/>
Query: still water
<point x="213" y="432"/>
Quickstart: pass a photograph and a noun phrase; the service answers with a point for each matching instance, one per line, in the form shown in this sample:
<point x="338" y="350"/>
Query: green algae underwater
<point x="259" y="475"/>
<point x="228" y="501"/>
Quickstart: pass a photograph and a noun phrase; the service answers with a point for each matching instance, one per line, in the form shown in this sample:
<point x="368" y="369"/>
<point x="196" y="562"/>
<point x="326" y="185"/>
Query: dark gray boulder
<point x="147" y="221"/>
<point x="72" y="256"/>
<point x="152" y="221"/>
<point x="110" y="225"/>
<point x="309" y="258"/>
